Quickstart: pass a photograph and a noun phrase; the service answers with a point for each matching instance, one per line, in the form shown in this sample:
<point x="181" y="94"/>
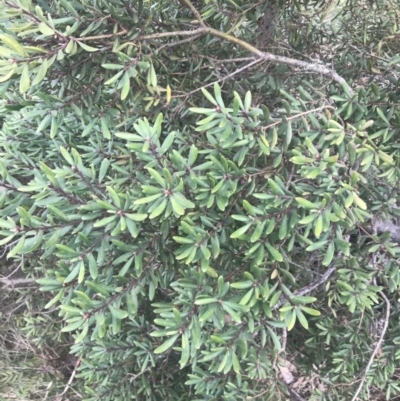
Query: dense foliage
<point x="207" y="193"/>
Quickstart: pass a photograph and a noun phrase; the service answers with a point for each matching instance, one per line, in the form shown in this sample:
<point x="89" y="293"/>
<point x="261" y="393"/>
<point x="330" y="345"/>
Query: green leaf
<point x="310" y="311"/>
<point x="17" y="248"/>
<point x="159" y="209"/>
<point x="41" y="73"/>
<point x="109" y="66"/>
<point x="67" y="156"/>
<point x="45" y="29"/>
<point x="73" y="326"/>
<point x="167" y="143"/>
<point x="306" y="204"/>
<point x="205" y="301"/>
<point x="54" y="300"/>
<point x="13" y="44"/>
<point x="147" y="199"/>
<point x="318" y="226"/>
<point x="125" y="86"/>
<point x="74" y="273"/>
<point x="105" y="221"/>
<point x="289" y="133"/>
<point x="166" y="345"/>
<point x="382" y="116"/>
<point x="276" y="255"/>
<point x="290" y="318"/>
<point x="209" y="97"/>
<point x="242" y="285"/>
<point x="118" y="313"/>
<point x="275" y="339"/>
<point x="329" y="254"/>
<point x="157" y="176"/>
<point x="87" y="48"/>
<point x="218" y="97"/>
<point x="176" y="206"/>
<point x="24" y="83"/>
<point x="136" y="216"/>
<point x="241" y="231"/>
<point x="316" y="245"/>
<point x="113" y="79"/>
<point x="247" y="101"/>
<point x="93" y="269"/>
<point x="302" y="319"/>
<point x="267" y="114"/>
<point x="105" y="164"/>
<point x="302" y="299"/>
<point x="83" y="333"/>
<point x="185" y="350"/>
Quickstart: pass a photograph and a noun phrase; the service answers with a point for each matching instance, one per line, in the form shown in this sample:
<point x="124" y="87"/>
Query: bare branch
<point x="377" y="347"/>
<point x="299" y="115"/>
<point x="303" y="65"/>
<point x="179" y="42"/>
<point x="311" y="67"/>
<point x="193" y="9"/>
<point x="381" y="226"/>
<point x="200" y="31"/>
<point x="222" y="79"/>
<point x="9" y="283"/>
<point x="311" y="287"/>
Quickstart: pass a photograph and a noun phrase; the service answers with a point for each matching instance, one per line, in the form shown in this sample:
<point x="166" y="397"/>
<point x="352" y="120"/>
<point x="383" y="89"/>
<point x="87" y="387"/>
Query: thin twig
<point x="193" y="9"/>
<point x="303" y="65"/>
<point x="70" y="379"/>
<point x="311" y="67"/>
<point x="13" y="282"/>
<point x="298" y="115"/>
<point x="377" y="347"/>
<point x="109" y="35"/>
<point x="174" y="33"/>
<point x="179" y="42"/>
<point x="258" y="395"/>
<point x="221" y="79"/>
<point x="17" y="268"/>
<point x="309" y="288"/>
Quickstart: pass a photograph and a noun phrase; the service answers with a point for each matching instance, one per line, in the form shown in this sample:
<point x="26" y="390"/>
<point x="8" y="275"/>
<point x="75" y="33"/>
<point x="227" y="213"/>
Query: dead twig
<point x="309" y="288"/>
<point x="377" y="347"/>
<point x="224" y="78"/>
<point x="78" y="361"/>
<point x="298" y="115"/>
<point x="179" y="42"/>
<point x="9" y="283"/>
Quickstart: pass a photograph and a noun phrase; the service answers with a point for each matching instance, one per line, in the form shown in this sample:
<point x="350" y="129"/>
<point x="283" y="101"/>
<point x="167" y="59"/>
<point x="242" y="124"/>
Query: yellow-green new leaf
<point x="12" y="44"/>
<point x="359" y="202"/>
<point x="87" y="48"/>
<point x="310" y="311"/>
<point x="302" y="319"/>
<point x="6" y="77"/>
<point x="118" y="313"/>
<point x="25" y="82"/>
<point x="306" y="204"/>
<point x="45" y="29"/>
<point x="41" y="73"/>
<point x="274" y="252"/>
<point x="83" y="334"/>
<point x="241" y="231"/>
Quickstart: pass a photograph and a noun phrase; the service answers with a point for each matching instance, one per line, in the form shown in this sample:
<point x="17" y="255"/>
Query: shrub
<point x="201" y="240"/>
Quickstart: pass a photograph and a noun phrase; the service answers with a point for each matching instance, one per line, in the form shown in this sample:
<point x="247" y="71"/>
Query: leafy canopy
<point x="199" y="211"/>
